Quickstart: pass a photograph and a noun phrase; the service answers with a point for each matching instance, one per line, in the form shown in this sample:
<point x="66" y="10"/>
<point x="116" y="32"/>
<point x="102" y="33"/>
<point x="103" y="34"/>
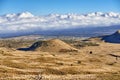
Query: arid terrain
<point x="91" y="59"/>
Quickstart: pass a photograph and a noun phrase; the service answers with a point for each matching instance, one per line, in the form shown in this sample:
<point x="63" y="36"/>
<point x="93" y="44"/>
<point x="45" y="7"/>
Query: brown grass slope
<point x="53" y="45"/>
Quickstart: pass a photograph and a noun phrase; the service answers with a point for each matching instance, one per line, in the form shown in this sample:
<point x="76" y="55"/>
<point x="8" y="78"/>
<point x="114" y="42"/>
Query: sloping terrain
<point x="54" y="45"/>
<point x="82" y="65"/>
<point x="114" y="38"/>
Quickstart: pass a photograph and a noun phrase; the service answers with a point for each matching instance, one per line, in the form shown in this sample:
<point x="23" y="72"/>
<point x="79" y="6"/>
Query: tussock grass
<point x="94" y="60"/>
<point x="73" y="65"/>
<point x="75" y="70"/>
<point x="3" y="53"/>
<point x="15" y="65"/>
<point x="84" y="44"/>
<point x="15" y="43"/>
<point x="45" y="59"/>
<point x="108" y="77"/>
<point x="53" y="71"/>
<point x="9" y="72"/>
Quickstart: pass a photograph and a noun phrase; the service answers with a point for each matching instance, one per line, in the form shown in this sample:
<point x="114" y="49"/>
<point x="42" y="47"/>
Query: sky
<point x="43" y="7"/>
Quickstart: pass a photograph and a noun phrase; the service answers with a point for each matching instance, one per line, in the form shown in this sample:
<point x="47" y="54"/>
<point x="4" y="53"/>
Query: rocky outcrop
<point x="114" y="38"/>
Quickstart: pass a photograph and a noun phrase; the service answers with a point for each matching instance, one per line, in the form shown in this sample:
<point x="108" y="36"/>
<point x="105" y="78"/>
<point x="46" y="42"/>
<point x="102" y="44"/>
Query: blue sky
<point x="43" y="7"/>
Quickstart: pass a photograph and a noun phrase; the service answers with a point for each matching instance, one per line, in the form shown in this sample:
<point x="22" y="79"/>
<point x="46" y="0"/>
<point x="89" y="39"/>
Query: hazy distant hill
<point x="77" y="32"/>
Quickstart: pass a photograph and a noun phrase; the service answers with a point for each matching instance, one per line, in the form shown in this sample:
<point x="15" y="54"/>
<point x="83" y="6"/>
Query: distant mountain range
<point x="27" y="23"/>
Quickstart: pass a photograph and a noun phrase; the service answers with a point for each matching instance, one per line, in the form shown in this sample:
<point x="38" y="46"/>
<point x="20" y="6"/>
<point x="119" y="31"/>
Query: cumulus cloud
<point x="28" y="22"/>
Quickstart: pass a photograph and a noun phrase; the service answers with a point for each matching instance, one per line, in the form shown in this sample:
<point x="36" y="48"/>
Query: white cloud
<point x="28" y="22"/>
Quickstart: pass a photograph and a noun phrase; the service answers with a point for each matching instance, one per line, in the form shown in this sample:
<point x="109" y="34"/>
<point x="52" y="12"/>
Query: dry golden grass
<point x="28" y="65"/>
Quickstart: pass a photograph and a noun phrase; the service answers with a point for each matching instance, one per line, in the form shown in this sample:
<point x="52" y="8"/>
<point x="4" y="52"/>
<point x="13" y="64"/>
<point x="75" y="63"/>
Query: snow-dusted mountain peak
<point x="9" y="15"/>
<point x="18" y="15"/>
<point x="25" y="15"/>
<point x="28" y="22"/>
